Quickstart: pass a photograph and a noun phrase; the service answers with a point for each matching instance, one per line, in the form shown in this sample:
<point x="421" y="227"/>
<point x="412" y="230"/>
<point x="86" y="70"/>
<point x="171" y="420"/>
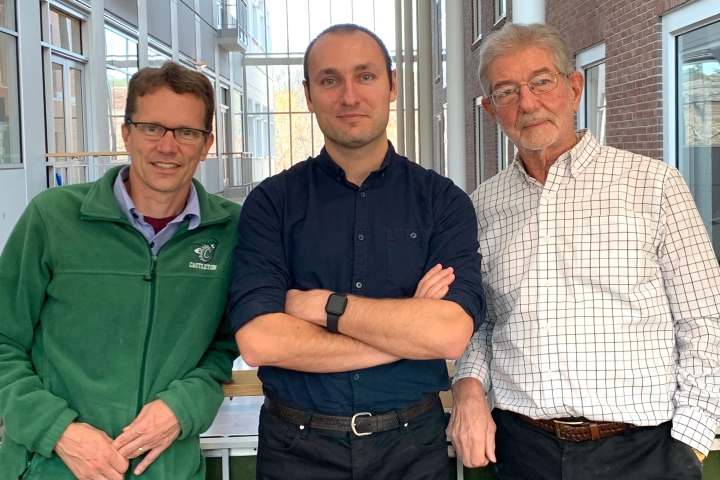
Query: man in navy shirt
<point x="356" y="275"/>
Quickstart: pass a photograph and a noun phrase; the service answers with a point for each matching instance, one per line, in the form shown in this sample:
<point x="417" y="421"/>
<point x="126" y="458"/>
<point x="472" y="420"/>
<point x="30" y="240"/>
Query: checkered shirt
<point x="603" y="294"/>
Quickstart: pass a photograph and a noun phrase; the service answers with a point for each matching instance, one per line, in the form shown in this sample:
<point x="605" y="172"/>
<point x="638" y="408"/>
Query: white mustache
<point x="529" y="119"/>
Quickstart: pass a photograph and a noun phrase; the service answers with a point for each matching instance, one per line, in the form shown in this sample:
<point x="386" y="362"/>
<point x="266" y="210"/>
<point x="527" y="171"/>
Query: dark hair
<point x="348" y="28"/>
<point x="176" y="77"/>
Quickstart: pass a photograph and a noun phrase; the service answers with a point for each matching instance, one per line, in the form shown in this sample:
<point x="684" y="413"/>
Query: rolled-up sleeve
<point x="261" y="277"/>
<point x="455" y="244"/>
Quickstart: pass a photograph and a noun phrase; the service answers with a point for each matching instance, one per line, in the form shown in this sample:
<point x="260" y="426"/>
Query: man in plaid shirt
<point x="602" y="344"/>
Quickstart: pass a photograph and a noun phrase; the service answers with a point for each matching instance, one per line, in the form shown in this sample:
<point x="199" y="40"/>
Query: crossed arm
<point x="372" y="331"/>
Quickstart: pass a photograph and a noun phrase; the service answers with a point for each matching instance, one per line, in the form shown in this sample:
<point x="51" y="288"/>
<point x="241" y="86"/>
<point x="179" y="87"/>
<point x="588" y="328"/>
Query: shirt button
<point x="413" y="235"/>
<point x="548" y="283"/>
<point x="358" y="284"/>
<point x="152" y="244"/>
<point x="356" y="376"/>
<point x="547" y="238"/>
<point x="361" y="237"/>
<point x="362" y="194"/>
<point x="338" y="179"/>
<point x="549" y="375"/>
<point x="547" y="327"/>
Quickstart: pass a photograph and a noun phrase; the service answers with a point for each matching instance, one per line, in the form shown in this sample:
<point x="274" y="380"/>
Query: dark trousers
<point x="525" y="451"/>
<point x="417" y="452"/>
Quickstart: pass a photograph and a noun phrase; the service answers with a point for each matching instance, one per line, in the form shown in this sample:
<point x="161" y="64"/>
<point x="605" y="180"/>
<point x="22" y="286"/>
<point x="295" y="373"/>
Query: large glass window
<point x="122" y="62"/>
<point x="698" y="110"/>
<point x="9" y="94"/>
<point x="281" y="131"/>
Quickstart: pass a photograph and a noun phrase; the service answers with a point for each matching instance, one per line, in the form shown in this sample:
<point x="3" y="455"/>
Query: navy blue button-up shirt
<point x="308" y="228"/>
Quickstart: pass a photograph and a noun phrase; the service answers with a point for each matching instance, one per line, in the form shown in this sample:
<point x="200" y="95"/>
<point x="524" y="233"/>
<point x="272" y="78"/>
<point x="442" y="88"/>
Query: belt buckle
<point x="352" y="424"/>
<point x="558" y="422"/>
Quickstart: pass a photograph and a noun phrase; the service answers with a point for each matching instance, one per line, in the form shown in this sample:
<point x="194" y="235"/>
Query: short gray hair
<point x="514" y="37"/>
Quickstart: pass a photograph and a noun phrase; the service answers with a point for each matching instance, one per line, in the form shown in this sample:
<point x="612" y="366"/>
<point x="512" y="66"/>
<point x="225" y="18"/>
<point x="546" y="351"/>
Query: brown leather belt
<point x="361" y="424"/>
<point x="579" y="430"/>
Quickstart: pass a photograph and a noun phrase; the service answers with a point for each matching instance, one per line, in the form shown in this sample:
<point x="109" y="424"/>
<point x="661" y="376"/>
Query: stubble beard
<point x="349" y="141"/>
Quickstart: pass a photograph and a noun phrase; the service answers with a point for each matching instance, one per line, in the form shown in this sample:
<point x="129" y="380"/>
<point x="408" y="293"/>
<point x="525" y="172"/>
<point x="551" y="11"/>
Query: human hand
<point x="436" y="283"/>
<point x="154" y="429"/>
<point x="308" y="305"/>
<point x="89" y="453"/>
<point x="471" y="429"/>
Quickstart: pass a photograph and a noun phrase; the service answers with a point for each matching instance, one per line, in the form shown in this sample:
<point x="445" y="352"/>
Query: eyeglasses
<point x="510" y="93"/>
<point x="187" y="136"/>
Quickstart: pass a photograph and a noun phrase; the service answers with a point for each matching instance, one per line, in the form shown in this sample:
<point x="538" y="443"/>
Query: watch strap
<point x="332" y="322"/>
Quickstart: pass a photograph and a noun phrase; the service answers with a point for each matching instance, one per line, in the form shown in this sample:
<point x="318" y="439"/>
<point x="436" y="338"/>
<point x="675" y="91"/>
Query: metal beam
<point x="424" y="76"/>
<point x="409" y="82"/>
<point x="400" y="102"/>
<point x="455" y="128"/>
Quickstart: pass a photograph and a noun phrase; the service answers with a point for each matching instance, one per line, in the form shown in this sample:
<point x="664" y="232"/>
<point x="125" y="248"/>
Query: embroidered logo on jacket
<point x="205" y="253"/>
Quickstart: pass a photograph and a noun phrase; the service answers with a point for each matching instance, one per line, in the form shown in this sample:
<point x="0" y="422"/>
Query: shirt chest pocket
<point x="614" y="251"/>
<point x="407" y="251"/>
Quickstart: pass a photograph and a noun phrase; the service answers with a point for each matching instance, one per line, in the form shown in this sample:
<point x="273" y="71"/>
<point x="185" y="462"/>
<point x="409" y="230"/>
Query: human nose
<point x="349" y="95"/>
<point x="168" y="142"/>
<point x="527" y="99"/>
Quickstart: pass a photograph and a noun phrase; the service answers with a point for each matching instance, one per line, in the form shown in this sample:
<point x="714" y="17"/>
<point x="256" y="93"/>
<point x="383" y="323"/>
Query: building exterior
<point x="652" y="73"/>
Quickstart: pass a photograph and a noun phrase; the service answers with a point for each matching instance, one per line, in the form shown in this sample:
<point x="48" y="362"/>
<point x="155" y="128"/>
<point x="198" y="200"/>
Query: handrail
<point x="67" y="168"/>
<point x="85" y="154"/>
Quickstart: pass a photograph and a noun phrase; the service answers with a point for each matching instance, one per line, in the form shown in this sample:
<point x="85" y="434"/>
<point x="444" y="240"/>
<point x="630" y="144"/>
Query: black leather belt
<point x="361" y="424"/>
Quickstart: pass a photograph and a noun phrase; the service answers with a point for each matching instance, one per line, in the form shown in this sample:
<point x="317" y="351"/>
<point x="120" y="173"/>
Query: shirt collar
<point x="578" y="157"/>
<point x="336" y="171"/>
<point x="191" y="211"/>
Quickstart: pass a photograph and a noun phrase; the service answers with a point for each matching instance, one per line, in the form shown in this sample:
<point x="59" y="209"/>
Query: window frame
<point x="584" y="60"/>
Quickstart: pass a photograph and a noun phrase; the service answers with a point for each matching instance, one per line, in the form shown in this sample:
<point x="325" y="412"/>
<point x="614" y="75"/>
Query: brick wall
<point x="631" y="30"/>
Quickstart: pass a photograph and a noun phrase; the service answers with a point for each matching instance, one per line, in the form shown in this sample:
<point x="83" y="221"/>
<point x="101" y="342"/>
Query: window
<point x="595" y="101"/>
<point x="591" y="114"/>
<point x="156" y="59"/>
<point x="698" y="127"/>
<point x="479" y="164"/>
<point x="477" y="20"/>
<point x="440" y="40"/>
<point x="7" y="14"/>
<point x="506" y="150"/>
<point x="439" y="161"/>
<point x="121" y="54"/>
<point x="237" y="122"/>
<point x="500" y="10"/>
<point x="9" y="93"/>
<point x="65" y="32"/>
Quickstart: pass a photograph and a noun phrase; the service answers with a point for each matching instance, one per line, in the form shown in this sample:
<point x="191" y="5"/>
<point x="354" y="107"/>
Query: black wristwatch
<point x="335" y="307"/>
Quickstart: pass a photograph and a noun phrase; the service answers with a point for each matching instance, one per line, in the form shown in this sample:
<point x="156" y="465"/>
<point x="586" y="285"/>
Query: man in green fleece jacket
<point x="113" y="340"/>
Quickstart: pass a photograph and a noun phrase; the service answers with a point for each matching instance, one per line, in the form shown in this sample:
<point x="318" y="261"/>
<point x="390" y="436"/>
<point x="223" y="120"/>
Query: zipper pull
<point x="151" y="277"/>
<point x="28" y="461"/>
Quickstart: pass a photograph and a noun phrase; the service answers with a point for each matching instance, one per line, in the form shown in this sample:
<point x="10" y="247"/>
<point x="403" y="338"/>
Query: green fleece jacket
<point x="93" y="327"/>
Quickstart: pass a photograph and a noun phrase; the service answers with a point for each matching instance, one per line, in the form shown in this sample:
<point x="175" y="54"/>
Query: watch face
<point x="336" y="304"/>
